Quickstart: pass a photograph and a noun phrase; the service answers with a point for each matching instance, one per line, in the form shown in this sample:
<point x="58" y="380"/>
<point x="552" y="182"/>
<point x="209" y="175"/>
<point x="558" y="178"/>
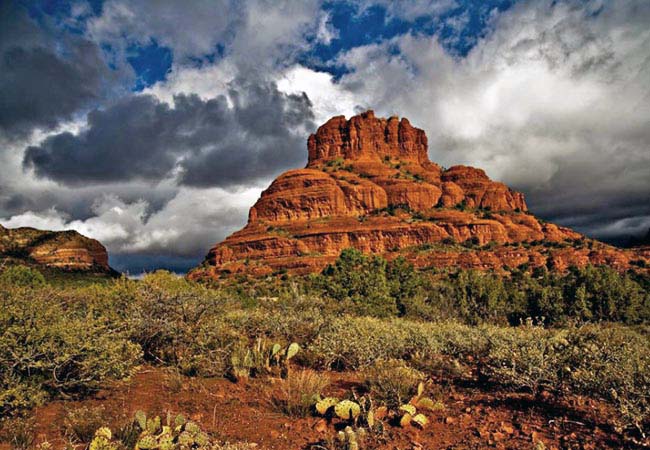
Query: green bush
<point x="21" y="276"/>
<point x="49" y="347"/>
<point x="361" y="282"/>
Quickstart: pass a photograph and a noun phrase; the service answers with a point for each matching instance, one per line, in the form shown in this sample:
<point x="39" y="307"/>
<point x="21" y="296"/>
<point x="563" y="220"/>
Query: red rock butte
<point x="369" y="184"/>
<point x="64" y="250"/>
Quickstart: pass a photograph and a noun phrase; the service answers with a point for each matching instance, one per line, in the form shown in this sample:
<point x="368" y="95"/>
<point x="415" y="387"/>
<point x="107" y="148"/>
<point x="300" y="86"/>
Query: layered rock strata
<point x="369" y="184"/>
<point x="65" y="250"/>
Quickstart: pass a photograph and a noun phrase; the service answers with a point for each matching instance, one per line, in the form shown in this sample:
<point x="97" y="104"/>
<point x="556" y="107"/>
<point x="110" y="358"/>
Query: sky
<point x="154" y="126"/>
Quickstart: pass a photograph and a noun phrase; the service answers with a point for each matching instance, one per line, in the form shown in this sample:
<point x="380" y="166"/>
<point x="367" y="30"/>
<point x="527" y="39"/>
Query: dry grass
<point x="298" y="392"/>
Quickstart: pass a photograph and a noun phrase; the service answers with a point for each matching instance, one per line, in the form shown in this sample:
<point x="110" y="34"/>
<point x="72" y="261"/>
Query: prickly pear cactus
<point x="201" y="439"/>
<point x="154" y="425"/>
<point x="104" y="432"/>
<point x="141" y="419"/>
<point x="420" y="420"/>
<point x="192" y="427"/>
<point x="147" y="442"/>
<point x="185" y="438"/>
<point x="292" y="350"/>
<point x="179" y="421"/>
<point x="102" y="440"/>
<point x="347" y="410"/>
<point x="325" y="404"/>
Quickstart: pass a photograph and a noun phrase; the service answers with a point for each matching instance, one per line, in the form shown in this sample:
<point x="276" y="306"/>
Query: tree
<point x="361" y="281"/>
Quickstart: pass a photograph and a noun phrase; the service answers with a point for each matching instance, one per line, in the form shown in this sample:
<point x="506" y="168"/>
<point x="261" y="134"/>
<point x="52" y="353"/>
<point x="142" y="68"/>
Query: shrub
<point x="299" y="391"/>
<point x="527" y="357"/>
<point x="612" y="363"/>
<point x="80" y="423"/>
<point x="361" y="282"/>
<point x="48" y="347"/>
<point x="392" y="381"/>
<point x="22" y="276"/>
<point x="17" y="432"/>
<point x="352" y="343"/>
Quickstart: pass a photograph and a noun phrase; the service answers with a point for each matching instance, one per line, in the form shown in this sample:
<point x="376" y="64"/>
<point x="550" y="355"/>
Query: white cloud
<point x="411" y="9"/>
<point x="328" y="98"/>
<point x="187" y="225"/>
<point x="188" y="32"/>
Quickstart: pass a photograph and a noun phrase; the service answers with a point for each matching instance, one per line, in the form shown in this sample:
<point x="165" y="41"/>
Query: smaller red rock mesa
<point x="369" y="184"/>
<point x="65" y="250"/>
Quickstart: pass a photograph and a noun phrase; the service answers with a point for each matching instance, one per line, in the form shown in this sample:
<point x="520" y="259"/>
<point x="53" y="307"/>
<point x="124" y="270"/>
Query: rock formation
<point x="369" y="184"/>
<point x="64" y="250"/>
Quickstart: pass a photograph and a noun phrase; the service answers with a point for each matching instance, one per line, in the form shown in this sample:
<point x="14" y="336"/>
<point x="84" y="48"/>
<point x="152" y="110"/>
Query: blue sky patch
<point x="151" y="64"/>
<point x="459" y="29"/>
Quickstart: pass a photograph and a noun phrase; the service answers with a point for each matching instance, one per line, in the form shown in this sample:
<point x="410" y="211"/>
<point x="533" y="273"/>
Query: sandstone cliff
<point x="64" y="250"/>
<point x="369" y="184"/>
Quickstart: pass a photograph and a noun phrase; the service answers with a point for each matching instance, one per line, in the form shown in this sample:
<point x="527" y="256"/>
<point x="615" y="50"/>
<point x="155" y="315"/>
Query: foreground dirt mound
<point x="369" y="184"/>
<point x="472" y="418"/>
<point x="65" y="250"/>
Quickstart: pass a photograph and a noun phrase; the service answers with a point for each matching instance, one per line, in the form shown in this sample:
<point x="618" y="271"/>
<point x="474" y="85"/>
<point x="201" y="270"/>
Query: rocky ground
<point x="473" y="418"/>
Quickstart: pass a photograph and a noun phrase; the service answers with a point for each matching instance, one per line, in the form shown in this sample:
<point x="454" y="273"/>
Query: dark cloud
<point x="46" y="75"/>
<point x="254" y="132"/>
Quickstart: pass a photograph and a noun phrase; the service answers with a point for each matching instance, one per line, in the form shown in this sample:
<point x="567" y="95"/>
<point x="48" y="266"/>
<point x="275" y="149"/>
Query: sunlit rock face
<point x="66" y="250"/>
<point x="369" y="184"/>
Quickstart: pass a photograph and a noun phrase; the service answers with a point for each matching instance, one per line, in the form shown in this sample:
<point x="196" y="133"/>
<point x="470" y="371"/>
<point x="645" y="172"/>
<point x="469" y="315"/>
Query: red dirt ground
<point x="472" y="419"/>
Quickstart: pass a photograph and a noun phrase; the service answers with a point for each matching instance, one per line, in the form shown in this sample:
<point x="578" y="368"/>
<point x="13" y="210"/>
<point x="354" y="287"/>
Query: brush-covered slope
<point x="64" y="250"/>
<point x="369" y="184"/>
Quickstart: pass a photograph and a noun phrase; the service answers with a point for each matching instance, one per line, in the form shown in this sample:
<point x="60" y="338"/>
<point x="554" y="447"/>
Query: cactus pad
<point x="147" y="442"/>
<point x="104" y="432"/>
<point x="420" y="420"/>
<point x="405" y="420"/>
<point x="185" y="438"/>
<point x="325" y="404"/>
<point x="425" y="403"/>
<point x="201" y="439"/>
<point x="347" y="410"/>
<point x="141" y="419"/>
<point x="292" y="350"/>
<point x="192" y="427"/>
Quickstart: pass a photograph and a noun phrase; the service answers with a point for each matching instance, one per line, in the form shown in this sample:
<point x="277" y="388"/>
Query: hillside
<point x="63" y="251"/>
<point x="369" y="184"/>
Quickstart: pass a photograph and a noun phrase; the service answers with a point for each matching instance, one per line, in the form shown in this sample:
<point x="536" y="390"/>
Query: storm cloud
<point x="252" y="132"/>
<point x="46" y="75"/>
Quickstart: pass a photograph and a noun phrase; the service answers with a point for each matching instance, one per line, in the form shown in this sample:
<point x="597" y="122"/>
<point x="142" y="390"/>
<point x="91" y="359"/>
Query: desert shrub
<point x="613" y="363"/>
<point x="177" y="322"/>
<point x="21" y="277"/>
<point x="299" y="392"/>
<point x="48" y="347"/>
<point x="480" y="297"/>
<point x="288" y="324"/>
<point x="360" y="281"/>
<point x="528" y="357"/>
<point x="79" y="424"/>
<point x="352" y="342"/>
<point x="18" y="432"/>
<point x="404" y="282"/>
<point x="392" y="381"/>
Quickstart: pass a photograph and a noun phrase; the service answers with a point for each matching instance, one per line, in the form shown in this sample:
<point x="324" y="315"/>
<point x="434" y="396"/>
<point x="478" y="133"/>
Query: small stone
<point x="321" y="426"/>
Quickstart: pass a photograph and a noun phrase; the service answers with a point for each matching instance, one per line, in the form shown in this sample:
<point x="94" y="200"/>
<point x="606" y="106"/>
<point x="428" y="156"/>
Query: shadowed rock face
<point x="369" y="184"/>
<point x="66" y="250"/>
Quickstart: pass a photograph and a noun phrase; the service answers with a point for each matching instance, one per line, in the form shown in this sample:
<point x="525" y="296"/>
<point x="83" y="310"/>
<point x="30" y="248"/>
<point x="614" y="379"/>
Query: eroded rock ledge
<point x="369" y="184"/>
